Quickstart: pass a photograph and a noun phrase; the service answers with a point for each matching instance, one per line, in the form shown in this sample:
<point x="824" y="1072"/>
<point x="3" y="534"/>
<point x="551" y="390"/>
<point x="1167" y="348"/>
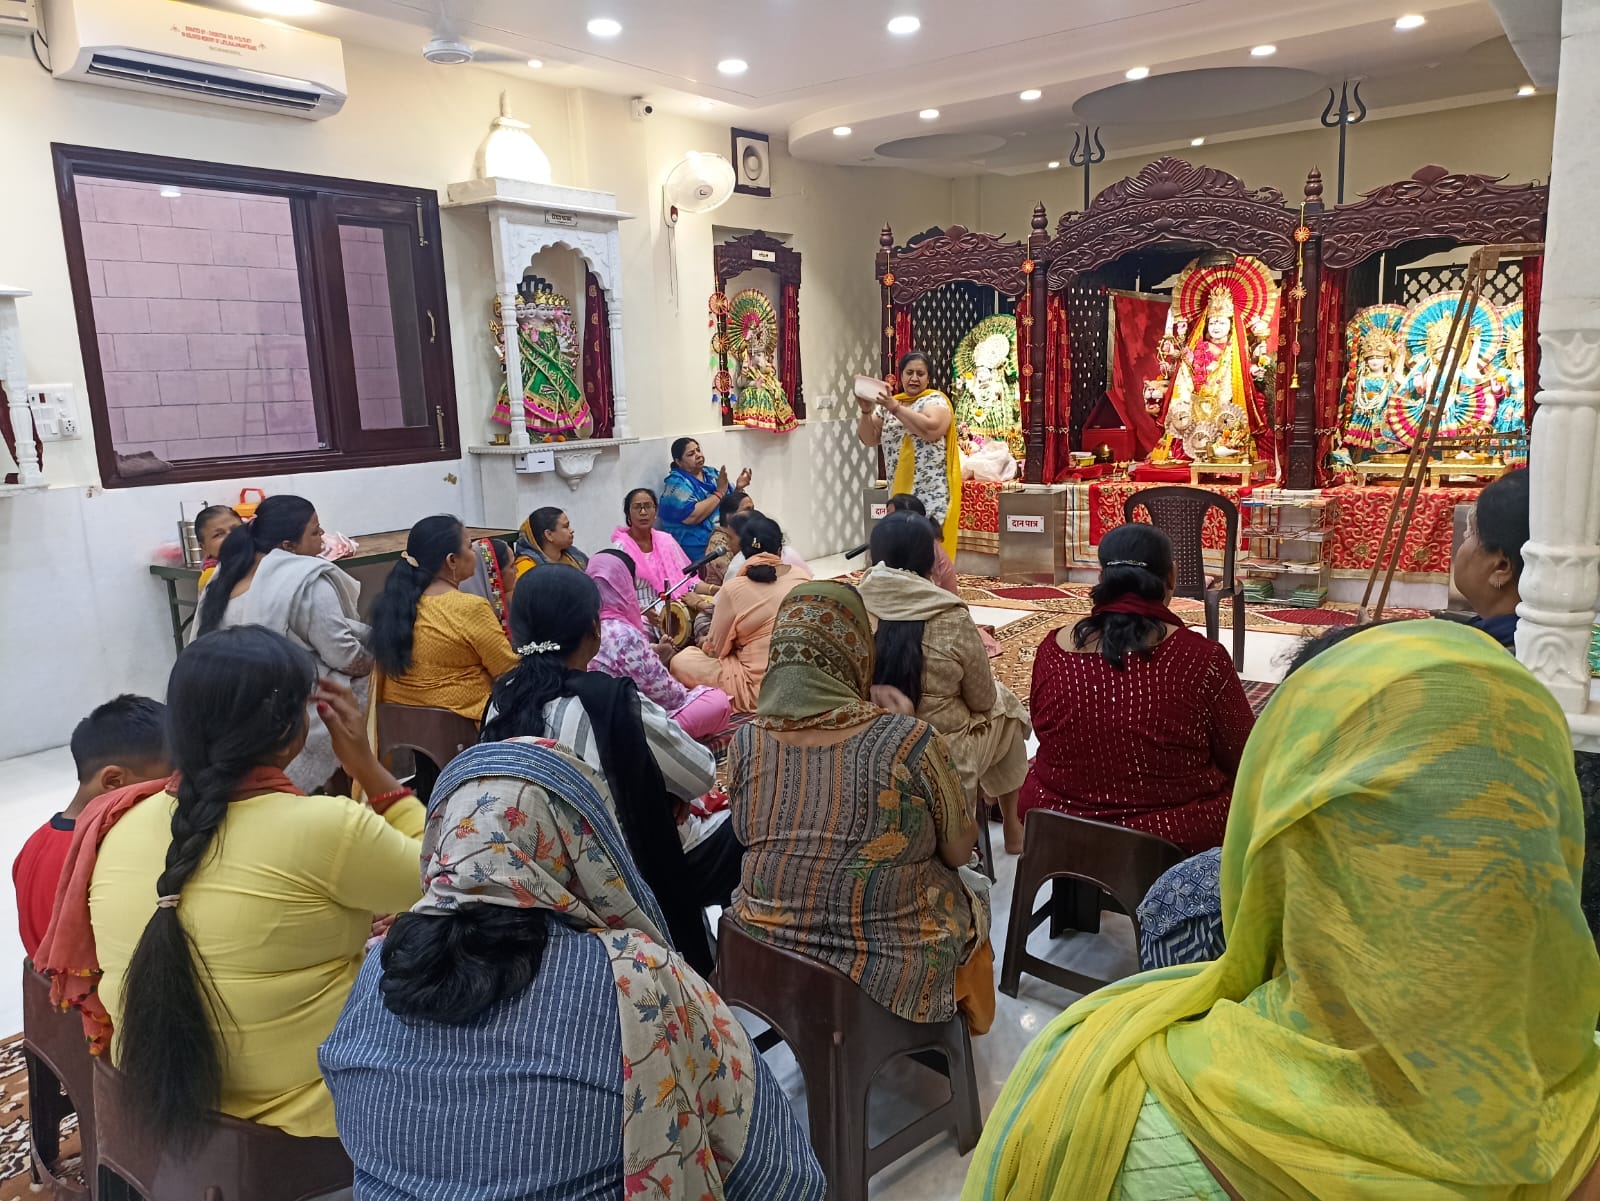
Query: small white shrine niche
<point x="557" y="257"/>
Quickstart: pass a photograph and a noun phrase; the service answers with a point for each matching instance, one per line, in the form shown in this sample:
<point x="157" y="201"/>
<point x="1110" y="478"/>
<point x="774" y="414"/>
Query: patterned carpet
<point x="1073" y="600"/>
<point x="16" y="1181"/>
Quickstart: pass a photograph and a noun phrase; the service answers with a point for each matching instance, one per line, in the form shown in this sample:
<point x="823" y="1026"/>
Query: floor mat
<point x="16" y="1177"/>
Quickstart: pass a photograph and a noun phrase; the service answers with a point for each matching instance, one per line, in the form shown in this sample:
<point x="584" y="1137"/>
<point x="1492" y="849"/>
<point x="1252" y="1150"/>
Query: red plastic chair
<point x="842" y="1038"/>
<point x="60" y="1083"/>
<point x="1180" y="513"/>
<point x="1111" y="859"/>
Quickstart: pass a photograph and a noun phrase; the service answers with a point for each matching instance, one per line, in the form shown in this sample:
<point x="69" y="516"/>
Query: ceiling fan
<point x="448" y="49"/>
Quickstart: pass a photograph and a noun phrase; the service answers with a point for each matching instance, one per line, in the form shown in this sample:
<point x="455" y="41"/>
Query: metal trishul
<point x="1087" y="151"/>
<point x="1351" y="111"/>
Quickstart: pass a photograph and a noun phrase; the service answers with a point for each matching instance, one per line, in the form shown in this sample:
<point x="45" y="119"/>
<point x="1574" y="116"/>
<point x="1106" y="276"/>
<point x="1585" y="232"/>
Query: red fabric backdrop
<point x="1532" y="286"/>
<point x="902" y="340"/>
<point x="1140" y="323"/>
<point x="597" y="385"/>
<point x="1025" y="359"/>
<point x="1057" y="390"/>
<point x="1330" y="366"/>
<point x="789" y="348"/>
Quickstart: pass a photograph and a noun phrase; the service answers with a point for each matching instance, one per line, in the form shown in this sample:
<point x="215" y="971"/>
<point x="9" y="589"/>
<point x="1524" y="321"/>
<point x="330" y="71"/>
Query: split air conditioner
<point x="18" y="17"/>
<point x="205" y="54"/>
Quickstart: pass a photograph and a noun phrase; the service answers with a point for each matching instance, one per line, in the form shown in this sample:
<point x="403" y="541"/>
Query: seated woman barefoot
<point x="1141" y="721"/>
<point x="734" y="656"/>
<point x="928" y="648"/>
<point x="659" y="564"/>
<point x="1406" y="1007"/>
<point x="601" y="1064"/>
<point x="438" y="646"/>
<point x="271" y="573"/>
<point x="224" y="918"/>
<point x="654" y="771"/>
<point x="545" y="537"/>
<point x="856" y="823"/>
<point x="627" y="652"/>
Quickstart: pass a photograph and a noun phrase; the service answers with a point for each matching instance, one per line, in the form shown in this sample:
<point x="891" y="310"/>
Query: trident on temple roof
<point x="1347" y="116"/>
<point x="1087" y="150"/>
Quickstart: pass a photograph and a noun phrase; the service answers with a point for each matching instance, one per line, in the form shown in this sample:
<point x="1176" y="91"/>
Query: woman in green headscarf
<point x="1406" y="1007"/>
<point x="855" y="824"/>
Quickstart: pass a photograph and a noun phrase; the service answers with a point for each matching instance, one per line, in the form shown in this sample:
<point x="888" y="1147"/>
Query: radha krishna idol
<point x="761" y="402"/>
<point x="1509" y="385"/>
<point x="1469" y="407"/>
<point x="1215" y="411"/>
<point x="1376" y="383"/>
<point x="552" y="396"/>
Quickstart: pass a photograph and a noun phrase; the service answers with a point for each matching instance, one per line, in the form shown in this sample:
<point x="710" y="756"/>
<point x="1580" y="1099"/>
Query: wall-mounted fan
<point x="697" y="183"/>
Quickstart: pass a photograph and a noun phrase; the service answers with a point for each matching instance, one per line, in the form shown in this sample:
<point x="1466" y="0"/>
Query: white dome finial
<point x="508" y="152"/>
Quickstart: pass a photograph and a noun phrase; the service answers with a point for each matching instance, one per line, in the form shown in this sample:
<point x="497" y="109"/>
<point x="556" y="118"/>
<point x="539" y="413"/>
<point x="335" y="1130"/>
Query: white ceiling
<point x="817" y="64"/>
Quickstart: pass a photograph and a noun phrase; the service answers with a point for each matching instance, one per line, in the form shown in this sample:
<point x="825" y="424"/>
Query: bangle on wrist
<point x="380" y="804"/>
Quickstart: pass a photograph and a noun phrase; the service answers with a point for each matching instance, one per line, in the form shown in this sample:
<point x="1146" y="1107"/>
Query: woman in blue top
<point x="689" y="497"/>
<point x="527" y="1029"/>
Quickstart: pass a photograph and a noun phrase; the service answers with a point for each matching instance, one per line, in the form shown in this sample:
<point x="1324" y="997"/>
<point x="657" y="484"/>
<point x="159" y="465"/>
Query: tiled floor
<point x="38" y="785"/>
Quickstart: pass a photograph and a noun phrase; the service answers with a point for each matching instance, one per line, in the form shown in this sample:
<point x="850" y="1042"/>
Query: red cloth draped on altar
<point x="1139" y="323"/>
<point x="1330" y="367"/>
<point x="789" y="348"/>
<point x="1025" y="362"/>
<point x="1532" y="287"/>
<point x="1057" y="390"/>
<point x="597" y="385"/>
<point x="903" y="344"/>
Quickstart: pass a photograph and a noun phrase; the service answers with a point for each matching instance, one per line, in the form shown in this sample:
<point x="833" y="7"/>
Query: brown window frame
<point x="317" y="203"/>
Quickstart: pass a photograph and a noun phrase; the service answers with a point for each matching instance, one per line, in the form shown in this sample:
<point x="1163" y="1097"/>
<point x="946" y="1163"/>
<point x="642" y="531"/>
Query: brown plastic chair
<point x="231" y="1161"/>
<point x="841" y="1038"/>
<point x="439" y="735"/>
<point x="1180" y="513"/>
<point x="60" y="1083"/>
<point x="1056" y="846"/>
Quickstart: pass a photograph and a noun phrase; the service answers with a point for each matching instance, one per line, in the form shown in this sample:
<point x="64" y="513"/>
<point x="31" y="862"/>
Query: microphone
<point x="858" y="551"/>
<point x="705" y="559"/>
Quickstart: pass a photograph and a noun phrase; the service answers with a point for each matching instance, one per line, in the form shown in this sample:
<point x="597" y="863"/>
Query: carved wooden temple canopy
<point x="1178" y="205"/>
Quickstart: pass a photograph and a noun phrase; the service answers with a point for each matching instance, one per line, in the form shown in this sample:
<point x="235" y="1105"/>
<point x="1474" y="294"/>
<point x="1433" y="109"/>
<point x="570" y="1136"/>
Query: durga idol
<point x="1214" y="412"/>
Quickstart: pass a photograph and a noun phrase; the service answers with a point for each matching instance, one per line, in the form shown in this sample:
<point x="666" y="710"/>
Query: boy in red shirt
<point x="122" y="742"/>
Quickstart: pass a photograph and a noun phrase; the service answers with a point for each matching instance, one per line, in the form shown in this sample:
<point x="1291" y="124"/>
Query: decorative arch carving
<point x="944" y="256"/>
<point x="1433" y="203"/>
<point x="739" y="254"/>
<point x="1170" y="200"/>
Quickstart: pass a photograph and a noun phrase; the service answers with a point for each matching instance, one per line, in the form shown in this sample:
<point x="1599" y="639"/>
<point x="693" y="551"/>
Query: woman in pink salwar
<point x="627" y="651"/>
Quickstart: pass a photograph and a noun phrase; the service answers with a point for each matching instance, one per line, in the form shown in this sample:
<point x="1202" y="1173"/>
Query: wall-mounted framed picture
<point x="752" y="163"/>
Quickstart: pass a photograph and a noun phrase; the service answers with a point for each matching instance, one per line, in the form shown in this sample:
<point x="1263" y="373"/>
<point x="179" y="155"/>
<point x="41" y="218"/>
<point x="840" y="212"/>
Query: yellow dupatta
<point x="1406" y="1007"/>
<point x="905" y="468"/>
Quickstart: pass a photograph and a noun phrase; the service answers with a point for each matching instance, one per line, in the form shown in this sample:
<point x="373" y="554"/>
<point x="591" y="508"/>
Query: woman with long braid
<point x="226" y="966"/>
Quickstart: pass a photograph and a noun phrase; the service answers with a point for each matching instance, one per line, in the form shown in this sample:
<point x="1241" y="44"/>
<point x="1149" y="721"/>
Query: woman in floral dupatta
<point x="485" y="1007"/>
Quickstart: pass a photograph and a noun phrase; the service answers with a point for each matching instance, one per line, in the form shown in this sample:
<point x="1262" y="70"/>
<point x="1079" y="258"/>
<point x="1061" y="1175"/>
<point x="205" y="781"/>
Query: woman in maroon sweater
<point x="1140" y="720"/>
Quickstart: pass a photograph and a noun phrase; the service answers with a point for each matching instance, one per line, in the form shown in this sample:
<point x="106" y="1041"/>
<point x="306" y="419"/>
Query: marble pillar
<point x="1561" y="581"/>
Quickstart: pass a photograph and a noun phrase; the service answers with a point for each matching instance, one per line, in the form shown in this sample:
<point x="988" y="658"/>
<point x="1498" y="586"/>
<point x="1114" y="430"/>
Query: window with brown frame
<point x="236" y="321"/>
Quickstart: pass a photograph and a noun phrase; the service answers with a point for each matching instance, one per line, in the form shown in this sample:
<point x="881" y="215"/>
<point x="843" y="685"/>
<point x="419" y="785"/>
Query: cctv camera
<point x="640" y="108"/>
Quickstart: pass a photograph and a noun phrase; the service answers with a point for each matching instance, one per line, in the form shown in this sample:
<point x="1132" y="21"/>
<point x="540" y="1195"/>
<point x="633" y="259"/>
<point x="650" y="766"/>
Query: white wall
<point x="83" y="618"/>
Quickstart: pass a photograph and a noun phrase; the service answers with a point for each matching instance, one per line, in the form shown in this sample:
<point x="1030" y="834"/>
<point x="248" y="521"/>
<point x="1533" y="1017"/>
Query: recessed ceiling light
<point x="604" y="27"/>
<point x="535" y="64"/>
<point x="283" y="8"/>
<point x="1526" y="89"/>
<point x="1030" y="94"/>
<point x="929" y="114"/>
<point x="904" y="26"/>
<point x="1136" y="72"/>
<point x="1053" y="164"/>
<point x="1197" y="141"/>
<point x="842" y="131"/>
<point x="1263" y="51"/>
<point x="1411" y="21"/>
<point x="170" y="193"/>
<point x="733" y="66"/>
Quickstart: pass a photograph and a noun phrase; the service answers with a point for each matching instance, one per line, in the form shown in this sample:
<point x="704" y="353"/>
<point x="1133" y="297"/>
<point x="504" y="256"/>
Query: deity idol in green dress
<point x="552" y="394"/>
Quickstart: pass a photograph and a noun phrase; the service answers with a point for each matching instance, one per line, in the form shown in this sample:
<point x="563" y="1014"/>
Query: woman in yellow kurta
<point x="734" y="657"/>
<point x="916" y="429"/>
<point x="546" y="536"/>
<point x="240" y="889"/>
<point x="1405" y="1010"/>
<point x="438" y="647"/>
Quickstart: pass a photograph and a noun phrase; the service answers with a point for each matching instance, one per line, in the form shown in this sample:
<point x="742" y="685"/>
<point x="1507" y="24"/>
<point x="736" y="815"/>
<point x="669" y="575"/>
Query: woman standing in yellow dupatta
<point x="1406" y="1007"/>
<point x="917" y="431"/>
